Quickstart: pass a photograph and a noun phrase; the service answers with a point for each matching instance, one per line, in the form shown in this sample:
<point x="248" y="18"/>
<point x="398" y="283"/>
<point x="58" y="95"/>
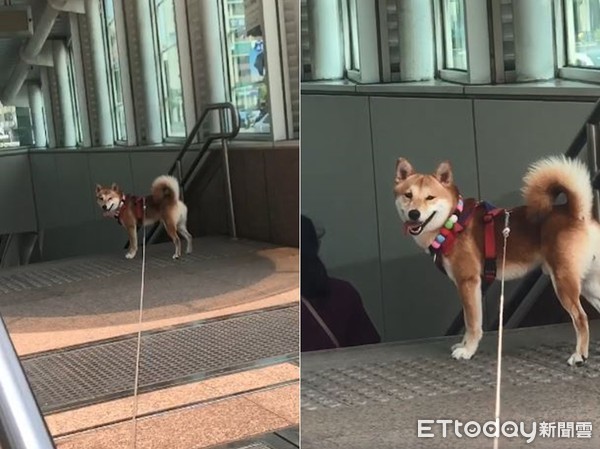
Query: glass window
<point x="9" y="137"/>
<point x="168" y="63"/>
<point x="74" y="96"/>
<point x="584" y="50"/>
<point x="455" y="38"/>
<point x="114" y="71"/>
<point x="246" y="62"/>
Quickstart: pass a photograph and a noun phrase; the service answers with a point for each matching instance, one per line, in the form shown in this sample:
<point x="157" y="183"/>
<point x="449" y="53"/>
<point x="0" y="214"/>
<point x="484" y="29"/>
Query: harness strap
<point x="138" y="207"/>
<point x="121" y="206"/>
<point x="489" y="243"/>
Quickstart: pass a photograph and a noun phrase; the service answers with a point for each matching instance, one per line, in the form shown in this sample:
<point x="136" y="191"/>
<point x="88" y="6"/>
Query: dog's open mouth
<point x="416" y="227"/>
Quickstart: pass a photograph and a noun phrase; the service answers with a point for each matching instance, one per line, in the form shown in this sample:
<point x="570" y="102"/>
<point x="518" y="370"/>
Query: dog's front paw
<point x="130" y="255"/>
<point x="175" y="256"/>
<point x="461" y="352"/>
<point x="576" y="360"/>
<point x="457" y="345"/>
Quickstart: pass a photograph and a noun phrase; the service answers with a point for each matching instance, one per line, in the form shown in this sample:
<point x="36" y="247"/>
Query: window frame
<point x="477" y="42"/>
<point x="367" y="35"/>
<point x="75" y="99"/>
<point x="75" y="42"/>
<point x="159" y="68"/>
<point x="564" y="30"/>
<point x="229" y="70"/>
<point x="118" y="140"/>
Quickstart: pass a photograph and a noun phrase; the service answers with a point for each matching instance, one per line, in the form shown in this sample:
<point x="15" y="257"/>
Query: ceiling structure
<point x="10" y="46"/>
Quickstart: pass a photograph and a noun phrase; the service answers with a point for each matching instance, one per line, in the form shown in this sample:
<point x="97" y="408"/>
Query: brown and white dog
<point x="564" y="239"/>
<point x="162" y="204"/>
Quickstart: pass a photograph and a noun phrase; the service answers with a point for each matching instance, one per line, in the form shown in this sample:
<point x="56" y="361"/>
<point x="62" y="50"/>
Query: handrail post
<point x="23" y="426"/>
<point x="227" y="172"/>
<point x="592" y="156"/>
<point x="179" y="177"/>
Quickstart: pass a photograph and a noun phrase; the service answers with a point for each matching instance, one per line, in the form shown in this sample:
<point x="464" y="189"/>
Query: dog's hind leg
<point x="133" y="243"/>
<point x="171" y="228"/>
<point x="182" y="229"/>
<point x="470" y="294"/>
<point x="567" y="286"/>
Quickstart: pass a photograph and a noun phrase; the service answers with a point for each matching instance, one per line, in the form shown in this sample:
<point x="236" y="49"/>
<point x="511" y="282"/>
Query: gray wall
<point x="53" y="191"/>
<point x="349" y="147"/>
<point x="16" y="195"/>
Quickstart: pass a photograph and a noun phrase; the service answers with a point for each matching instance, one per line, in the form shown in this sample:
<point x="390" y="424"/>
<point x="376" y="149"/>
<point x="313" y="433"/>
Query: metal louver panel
<point x="508" y="37"/>
<point x="293" y="53"/>
<point x="390" y="29"/>
<point x="88" y="74"/>
<point x="305" y="42"/>
<point x="55" y="107"/>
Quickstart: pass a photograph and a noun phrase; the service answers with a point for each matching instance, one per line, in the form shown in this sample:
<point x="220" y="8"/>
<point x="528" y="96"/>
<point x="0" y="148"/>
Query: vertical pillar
<point x="326" y="39"/>
<point x="103" y="108"/>
<point x="211" y="32"/>
<point x="415" y="25"/>
<point x="61" y="70"/>
<point x="36" y="106"/>
<point x="149" y="72"/>
<point x="534" y="39"/>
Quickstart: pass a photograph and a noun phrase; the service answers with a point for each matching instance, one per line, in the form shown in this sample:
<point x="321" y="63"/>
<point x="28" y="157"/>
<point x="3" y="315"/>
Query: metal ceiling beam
<point x="34" y="46"/>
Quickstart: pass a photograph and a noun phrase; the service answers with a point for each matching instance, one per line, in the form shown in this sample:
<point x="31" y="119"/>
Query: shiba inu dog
<point x="564" y="239"/>
<point x="162" y="204"/>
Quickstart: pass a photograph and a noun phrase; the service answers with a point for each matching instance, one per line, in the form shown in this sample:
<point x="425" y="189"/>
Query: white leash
<point x="505" y="233"/>
<point x="139" y="335"/>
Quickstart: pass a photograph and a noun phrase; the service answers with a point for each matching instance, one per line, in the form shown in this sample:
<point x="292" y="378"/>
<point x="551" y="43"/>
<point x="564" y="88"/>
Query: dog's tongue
<point x="408" y="225"/>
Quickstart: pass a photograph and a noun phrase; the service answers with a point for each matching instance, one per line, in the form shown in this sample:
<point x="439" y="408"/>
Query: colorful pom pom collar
<point x="453" y="226"/>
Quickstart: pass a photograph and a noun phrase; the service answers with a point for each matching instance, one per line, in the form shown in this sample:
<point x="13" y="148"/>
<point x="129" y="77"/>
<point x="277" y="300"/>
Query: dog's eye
<point x="430" y="197"/>
<point x="408" y="195"/>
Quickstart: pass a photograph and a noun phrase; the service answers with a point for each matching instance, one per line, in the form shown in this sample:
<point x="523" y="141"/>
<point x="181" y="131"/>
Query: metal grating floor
<point x="99" y="372"/>
<point x="407" y="379"/>
<point x="373" y="396"/>
<point x="37" y="276"/>
<point x="283" y="439"/>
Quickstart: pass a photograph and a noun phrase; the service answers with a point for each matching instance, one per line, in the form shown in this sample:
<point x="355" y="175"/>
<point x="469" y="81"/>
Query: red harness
<point x="138" y="207"/>
<point x="489" y="241"/>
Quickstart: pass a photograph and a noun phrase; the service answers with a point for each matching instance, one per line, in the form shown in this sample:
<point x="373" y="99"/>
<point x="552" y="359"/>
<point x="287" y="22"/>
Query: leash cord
<point x="139" y="333"/>
<point x="505" y="234"/>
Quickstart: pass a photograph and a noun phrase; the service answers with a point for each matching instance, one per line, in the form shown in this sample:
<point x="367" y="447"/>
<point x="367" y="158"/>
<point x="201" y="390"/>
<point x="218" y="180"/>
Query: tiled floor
<point x="221" y="277"/>
<point x="211" y="390"/>
<point x="60" y="304"/>
<point x="194" y="427"/>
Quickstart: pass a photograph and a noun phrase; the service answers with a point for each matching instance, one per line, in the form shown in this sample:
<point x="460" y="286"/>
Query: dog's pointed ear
<point x="115" y="187"/>
<point x="98" y="188"/>
<point x="444" y="174"/>
<point x="403" y="169"/>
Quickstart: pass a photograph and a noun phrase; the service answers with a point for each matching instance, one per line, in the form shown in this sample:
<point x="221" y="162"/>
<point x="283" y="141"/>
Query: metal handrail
<point x="527" y="284"/>
<point x="224" y="134"/>
<point x="21" y="423"/>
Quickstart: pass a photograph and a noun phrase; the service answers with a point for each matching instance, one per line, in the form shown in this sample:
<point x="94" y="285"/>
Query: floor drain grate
<point x="99" y="372"/>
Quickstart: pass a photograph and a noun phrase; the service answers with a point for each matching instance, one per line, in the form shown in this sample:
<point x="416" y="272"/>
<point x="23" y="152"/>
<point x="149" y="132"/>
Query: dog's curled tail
<point x="548" y="178"/>
<point x="165" y="188"/>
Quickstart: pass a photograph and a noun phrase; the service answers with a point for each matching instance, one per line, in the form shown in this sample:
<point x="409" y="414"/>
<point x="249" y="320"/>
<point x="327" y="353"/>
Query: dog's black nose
<point x="104" y="207"/>
<point x="414" y="214"/>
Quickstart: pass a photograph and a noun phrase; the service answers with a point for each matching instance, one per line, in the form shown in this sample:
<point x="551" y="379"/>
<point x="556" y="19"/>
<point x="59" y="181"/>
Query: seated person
<point x="332" y="313"/>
